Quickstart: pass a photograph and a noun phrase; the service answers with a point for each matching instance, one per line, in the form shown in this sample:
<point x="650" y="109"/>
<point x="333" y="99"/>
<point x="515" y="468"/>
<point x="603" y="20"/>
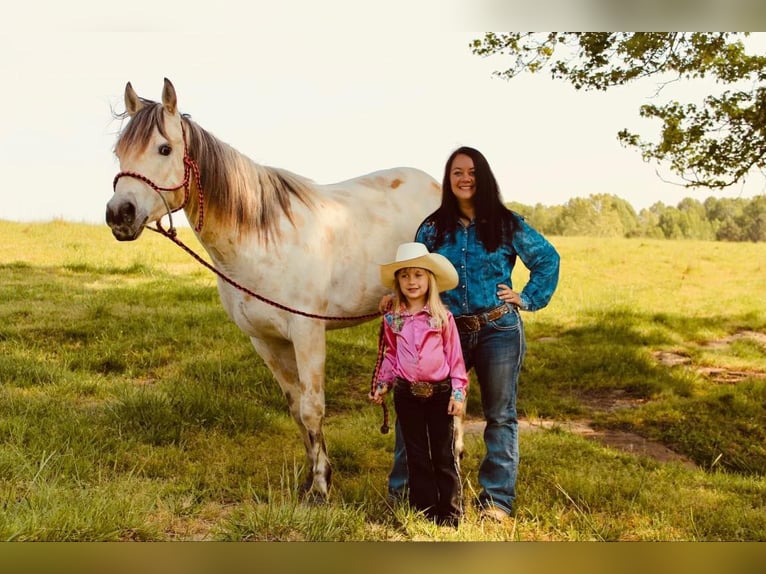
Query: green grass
<point x="132" y="408"/>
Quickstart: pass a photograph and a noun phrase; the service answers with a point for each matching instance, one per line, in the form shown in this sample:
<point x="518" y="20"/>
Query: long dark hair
<point x="495" y="223"/>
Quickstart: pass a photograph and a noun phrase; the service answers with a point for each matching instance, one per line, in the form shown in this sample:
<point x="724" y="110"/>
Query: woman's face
<point x="462" y="177"/>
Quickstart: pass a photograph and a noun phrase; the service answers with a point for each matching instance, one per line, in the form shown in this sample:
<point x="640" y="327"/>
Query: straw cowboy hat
<point x="417" y="255"/>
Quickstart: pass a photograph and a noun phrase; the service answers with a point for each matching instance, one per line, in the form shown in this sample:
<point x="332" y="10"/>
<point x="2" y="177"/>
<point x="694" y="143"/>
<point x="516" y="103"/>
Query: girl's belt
<point x="424" y="389"/>
<point x="471" y="323"/>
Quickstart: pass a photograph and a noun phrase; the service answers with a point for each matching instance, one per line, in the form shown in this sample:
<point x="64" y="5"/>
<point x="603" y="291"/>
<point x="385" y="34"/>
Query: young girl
<point x="424" y="364"/>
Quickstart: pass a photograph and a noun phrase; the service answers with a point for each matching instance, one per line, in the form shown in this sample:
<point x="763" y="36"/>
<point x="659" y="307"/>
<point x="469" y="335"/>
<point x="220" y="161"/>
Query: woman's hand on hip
<point x="508" y="295"/>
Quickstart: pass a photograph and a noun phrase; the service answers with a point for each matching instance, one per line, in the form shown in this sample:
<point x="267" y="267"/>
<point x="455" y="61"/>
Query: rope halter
<point x="190" y="166"/>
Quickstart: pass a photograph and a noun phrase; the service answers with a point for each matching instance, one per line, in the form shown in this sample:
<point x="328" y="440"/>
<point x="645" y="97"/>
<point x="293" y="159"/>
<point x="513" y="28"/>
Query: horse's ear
<point x="169" y="100"/>
<point x="132" y="102"/>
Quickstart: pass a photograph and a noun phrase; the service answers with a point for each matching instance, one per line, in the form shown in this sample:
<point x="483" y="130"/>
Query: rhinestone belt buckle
<point x="421" y="390"/>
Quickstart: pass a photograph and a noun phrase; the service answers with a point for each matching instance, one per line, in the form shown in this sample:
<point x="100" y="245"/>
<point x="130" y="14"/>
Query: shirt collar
<point x="403" y="310"/>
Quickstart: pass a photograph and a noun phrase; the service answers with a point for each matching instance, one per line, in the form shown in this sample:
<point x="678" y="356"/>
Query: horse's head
<point x="154" y="176"/>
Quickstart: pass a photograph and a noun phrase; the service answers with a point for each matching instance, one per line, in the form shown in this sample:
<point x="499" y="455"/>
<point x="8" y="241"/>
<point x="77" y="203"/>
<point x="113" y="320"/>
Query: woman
<point x="482" y="238"/>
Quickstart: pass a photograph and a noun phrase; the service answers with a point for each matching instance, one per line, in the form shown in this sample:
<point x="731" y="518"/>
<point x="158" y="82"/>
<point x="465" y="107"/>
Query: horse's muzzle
<point x="121" y="218"/>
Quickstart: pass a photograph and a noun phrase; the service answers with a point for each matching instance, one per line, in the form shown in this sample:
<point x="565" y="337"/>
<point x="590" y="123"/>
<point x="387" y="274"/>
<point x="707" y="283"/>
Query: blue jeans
<point x="496" y="352"/>
<point x="397" y="478"/>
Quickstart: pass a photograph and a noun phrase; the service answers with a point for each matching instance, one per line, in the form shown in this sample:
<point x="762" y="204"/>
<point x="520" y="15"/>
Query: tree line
<point x="604" y="215"/>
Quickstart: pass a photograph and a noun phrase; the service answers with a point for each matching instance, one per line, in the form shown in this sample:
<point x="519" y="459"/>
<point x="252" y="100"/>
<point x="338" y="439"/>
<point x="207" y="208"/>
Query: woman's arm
<point x="543" y="262"/>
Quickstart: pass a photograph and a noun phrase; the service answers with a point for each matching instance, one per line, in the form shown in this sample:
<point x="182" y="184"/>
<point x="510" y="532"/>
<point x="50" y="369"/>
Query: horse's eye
<point x="165" y="149"/>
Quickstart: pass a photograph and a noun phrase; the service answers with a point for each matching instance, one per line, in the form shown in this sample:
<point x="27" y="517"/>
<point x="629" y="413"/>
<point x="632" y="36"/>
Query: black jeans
<point x="434" y="475"/>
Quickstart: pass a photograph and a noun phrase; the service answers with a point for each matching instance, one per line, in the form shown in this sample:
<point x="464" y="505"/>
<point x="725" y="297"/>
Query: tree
<point x="599" y="215"/>
<point x="649" y="223"/>
<point x="715" y="145"/>
<point x="625" y="212"/>
<point x="693" y="220"/>
<point x="670" y="223"/>
<point x="753" y="220"/>
<point x="725" y="215"/>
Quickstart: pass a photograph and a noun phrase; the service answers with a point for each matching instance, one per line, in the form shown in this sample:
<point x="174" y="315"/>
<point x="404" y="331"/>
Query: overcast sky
<point x="329" y="90"/>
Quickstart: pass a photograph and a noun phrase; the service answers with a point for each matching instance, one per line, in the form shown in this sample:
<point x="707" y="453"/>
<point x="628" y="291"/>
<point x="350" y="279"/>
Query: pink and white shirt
<point x="416" y="350"/>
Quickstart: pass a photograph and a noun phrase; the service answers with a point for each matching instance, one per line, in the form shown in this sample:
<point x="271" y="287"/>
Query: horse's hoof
<point x="305" y="487"/>
<point x="315" y="498"/>
<point x="312" y="494"/>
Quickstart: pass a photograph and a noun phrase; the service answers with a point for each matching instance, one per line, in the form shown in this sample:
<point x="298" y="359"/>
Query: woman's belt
<point x="471" y="323"/>
<point x="424" y="389"/>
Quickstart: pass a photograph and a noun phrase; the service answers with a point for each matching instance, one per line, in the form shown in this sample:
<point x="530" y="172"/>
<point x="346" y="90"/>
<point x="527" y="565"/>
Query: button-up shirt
<point x="480" y="271"/>
<point x="417" y="350"/>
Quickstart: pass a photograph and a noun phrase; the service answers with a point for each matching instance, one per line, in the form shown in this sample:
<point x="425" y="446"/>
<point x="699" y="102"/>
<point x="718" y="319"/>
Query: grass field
<point x="132" y="408"/>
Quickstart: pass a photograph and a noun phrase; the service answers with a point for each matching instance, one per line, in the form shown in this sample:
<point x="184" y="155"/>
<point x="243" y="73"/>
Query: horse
<point x="295" y="258"/>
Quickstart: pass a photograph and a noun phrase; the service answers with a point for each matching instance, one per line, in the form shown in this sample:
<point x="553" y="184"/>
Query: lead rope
<point x="384" y="428"/>
<point x="173" y="236"/>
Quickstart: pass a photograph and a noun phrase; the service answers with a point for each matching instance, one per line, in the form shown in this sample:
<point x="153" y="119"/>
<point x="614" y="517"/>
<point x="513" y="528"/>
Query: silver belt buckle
<point x="421" y="390"/>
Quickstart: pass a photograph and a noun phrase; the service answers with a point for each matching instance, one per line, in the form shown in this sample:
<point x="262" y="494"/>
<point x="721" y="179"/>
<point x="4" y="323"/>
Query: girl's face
<point x="413" y="281"/>
<point x="462" y="177"/>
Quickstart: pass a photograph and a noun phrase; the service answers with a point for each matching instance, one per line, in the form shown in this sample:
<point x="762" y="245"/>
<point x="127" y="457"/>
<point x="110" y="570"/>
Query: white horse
<point x="312" y="249"/>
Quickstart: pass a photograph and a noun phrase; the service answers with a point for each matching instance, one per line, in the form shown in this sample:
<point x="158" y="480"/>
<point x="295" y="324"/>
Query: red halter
<point x="189" y="166"/>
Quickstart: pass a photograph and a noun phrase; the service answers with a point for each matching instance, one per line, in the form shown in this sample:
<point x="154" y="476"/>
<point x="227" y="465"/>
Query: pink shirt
<point x="418" y="351"/>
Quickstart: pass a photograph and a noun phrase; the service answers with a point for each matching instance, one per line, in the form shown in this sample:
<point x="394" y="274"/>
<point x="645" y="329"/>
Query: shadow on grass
<point x="168" y="349"/>
<point x="714" y="425"/>
<point x="133" y="325"/>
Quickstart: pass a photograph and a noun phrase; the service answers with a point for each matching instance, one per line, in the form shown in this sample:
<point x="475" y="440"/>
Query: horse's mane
<point x="238" y="193"/>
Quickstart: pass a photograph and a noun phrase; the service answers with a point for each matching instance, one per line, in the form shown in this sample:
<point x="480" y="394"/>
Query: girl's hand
<point x="385" y="303"/>
<point x="455" y="408"/>
<point x="377" y="396"/>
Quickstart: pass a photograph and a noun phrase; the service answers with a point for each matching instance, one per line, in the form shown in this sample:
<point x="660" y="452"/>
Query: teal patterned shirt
<point x="480" y="272"/>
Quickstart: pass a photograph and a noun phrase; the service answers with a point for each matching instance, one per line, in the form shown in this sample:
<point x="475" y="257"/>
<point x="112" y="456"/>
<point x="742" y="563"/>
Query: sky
<point x="329" y="90"/>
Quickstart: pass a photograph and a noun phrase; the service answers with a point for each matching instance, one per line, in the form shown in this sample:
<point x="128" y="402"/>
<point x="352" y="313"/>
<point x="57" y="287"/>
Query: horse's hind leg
<point x="306" y="405"/>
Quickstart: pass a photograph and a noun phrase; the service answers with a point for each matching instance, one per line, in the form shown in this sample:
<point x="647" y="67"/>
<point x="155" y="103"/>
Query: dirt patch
<point x="620" y="440"/>
<point x="624" y="441"/>
<point x="751" y="335"/>
<point x="716" y="374"/>
<point x="728" y="375"/>
<point x="619" y="399"/>
<point x="670" y="359"/>
<point x="608" y="402"/>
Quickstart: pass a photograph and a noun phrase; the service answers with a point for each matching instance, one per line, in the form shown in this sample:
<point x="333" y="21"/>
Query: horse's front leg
<point x="310" y="354"/>
<point x="303" y="387"/>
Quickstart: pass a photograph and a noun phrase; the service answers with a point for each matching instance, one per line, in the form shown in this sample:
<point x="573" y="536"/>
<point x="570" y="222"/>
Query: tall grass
<point x="132" y="408"/>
